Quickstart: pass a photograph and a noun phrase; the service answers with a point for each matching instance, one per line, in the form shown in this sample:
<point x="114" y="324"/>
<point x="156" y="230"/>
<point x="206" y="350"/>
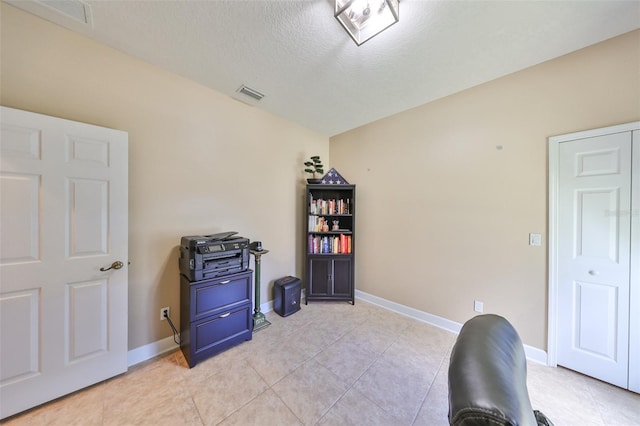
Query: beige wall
<point x="444" y="214"/>
<point x="200" y="162"/>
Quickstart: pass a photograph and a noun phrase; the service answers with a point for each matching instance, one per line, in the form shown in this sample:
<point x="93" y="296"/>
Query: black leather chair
<point x="488" y="376"/>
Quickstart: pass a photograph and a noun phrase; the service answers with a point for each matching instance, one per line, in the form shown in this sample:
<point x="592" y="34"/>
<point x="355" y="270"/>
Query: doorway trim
<point x="554" y="146"/>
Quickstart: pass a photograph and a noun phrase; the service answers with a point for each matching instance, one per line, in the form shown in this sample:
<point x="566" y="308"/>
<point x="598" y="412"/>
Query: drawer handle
<point x="225" y="315"/>
<point x="225" y="282"/>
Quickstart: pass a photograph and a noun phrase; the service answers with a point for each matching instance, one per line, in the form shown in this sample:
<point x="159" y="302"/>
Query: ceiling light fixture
<point x="365" y="18"/>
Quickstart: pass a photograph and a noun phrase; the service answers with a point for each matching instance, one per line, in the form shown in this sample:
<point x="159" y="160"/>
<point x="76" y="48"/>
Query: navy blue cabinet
<point x="214" y="315"/>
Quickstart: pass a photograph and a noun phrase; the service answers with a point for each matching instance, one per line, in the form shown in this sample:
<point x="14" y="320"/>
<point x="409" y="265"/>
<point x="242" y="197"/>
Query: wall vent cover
<point x="250" y="92"/>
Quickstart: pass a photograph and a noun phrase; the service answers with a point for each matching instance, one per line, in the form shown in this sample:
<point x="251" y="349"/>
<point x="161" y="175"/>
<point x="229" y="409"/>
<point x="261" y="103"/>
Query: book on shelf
<point x="338" y="244"/>
<point x="332" y="206"/>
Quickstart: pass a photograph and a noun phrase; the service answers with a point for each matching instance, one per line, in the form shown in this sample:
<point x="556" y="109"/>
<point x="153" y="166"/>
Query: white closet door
<point x="594" y="253"/>
<point x="634" y="332"/>
<point x="63" y="321"/>
<point x="594" y="200"/>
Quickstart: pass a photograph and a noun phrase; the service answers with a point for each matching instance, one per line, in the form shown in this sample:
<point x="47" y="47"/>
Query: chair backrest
<point x="488" y="375"/>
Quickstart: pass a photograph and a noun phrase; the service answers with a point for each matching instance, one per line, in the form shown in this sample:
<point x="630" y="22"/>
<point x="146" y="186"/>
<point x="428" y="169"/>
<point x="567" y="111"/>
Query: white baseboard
<point x="431" y="319"/>
<point x="143" y="353"/>
<point x="532" y="353"/>
<point x="536" y="355"/>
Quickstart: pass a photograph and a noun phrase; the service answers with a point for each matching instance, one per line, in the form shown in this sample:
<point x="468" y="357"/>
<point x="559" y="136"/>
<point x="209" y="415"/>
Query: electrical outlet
<point x="478" y="306"/>
<point x="162" y="311"/>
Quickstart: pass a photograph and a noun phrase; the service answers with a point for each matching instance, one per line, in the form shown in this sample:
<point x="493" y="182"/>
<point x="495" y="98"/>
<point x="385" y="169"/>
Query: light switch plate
<point x="535" y="239"/>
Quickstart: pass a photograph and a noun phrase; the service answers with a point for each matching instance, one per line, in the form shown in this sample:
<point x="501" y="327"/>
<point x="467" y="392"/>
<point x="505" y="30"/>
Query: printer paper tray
<point x="202" y="274"/>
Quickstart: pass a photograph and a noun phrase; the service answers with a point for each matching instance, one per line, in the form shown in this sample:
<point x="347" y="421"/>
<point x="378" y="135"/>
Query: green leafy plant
<point x="314" y="166"/>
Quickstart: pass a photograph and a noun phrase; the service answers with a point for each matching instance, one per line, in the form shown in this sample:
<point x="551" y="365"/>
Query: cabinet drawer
<point x="217" y="333"/>
<point x="225" y="293"/>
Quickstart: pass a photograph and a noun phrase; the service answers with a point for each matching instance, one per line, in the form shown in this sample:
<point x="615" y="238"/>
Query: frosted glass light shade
<point x="365" y="18"/>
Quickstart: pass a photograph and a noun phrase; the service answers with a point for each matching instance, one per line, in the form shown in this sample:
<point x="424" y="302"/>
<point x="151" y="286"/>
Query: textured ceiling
<point x="312" y="73"/>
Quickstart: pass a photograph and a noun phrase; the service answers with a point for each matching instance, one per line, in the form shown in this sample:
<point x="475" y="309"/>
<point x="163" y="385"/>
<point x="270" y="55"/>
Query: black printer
<point x="210" y="256"/>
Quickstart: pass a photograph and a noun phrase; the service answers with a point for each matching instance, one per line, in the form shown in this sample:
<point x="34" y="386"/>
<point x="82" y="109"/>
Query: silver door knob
<point x="592" y="272"/>
<point x="115" y="265"/>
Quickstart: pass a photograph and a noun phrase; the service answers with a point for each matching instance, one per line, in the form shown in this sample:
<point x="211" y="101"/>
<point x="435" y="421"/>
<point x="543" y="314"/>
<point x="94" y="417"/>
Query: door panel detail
<point x="20" y="217"/>
<point x="600" y="162"/>
<point x="88" y="220"/>
<point x="596" y="311"/>
<point x="20" y="142"/>
<point x="87" y="318"/>
<point x="19" y="324"/>
<point x="597" y="223"/>
<point x="88" y="151"/>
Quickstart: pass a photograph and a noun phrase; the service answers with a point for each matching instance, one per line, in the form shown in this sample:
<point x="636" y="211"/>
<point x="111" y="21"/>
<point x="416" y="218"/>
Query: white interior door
<point x="63" y="216"/>
<point x="634" y="322"/>
<point x="593" y="256"/>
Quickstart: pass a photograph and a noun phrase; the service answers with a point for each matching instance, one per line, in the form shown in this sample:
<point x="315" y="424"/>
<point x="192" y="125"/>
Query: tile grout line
<point x="424" y="399"/>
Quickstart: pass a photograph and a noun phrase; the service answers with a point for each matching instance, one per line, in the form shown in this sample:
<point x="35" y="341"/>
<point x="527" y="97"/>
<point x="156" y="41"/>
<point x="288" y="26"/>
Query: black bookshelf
<point x="330" y="242"/>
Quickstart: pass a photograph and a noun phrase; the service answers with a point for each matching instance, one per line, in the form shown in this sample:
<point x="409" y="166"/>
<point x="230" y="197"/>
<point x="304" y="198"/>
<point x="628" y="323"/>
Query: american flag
<point x="334" y="178"/>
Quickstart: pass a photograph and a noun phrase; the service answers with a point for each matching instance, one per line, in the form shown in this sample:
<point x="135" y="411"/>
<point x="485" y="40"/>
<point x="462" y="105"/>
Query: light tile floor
<point x="328" y="364"/>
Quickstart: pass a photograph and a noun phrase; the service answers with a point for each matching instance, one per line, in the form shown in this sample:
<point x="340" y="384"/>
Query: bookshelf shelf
<point x="330" y="235"/>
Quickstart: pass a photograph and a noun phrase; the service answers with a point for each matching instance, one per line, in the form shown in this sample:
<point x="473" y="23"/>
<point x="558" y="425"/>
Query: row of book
<point x="329" y="207"/>
<point x="330" y="245"/>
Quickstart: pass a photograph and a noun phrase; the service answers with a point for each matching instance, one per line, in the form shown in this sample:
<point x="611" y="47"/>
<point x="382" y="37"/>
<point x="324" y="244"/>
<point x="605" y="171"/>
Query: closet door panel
<point x="634" y="320"/>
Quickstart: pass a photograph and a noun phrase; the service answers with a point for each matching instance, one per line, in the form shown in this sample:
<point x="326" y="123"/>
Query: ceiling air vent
<point x="250" y="92"/>
<point x="72" y="14"/>
<point x="72" y="8"/>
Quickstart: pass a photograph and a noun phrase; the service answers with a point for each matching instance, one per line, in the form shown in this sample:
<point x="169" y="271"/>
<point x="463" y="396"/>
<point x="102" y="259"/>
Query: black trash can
<point x="286" y="298"/>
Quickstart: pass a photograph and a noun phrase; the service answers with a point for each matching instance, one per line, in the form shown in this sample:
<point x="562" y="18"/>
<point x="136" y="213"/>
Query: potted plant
<point x="314" y="166"/>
